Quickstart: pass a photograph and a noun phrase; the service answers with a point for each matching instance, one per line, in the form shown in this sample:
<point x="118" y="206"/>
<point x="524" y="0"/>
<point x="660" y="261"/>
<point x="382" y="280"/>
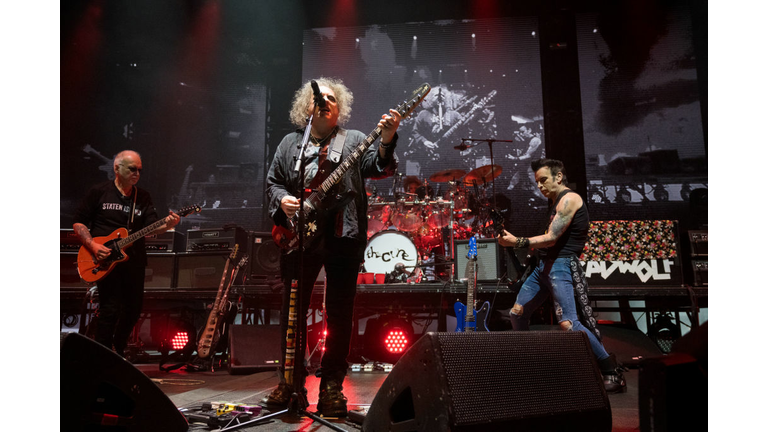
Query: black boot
<point x="280" y="396"/>
<point x="613" y="379"/>
<point x="331" y="401"/>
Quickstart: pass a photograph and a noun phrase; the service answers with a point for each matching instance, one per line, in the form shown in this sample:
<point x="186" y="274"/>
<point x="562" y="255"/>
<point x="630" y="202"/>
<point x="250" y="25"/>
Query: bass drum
<point x="388" y="248"/>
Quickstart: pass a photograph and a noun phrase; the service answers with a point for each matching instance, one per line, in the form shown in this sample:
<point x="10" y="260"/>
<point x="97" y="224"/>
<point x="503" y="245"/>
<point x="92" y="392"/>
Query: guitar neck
<point x="352" y="159"/>
<point x="470" y="290"/>
<point x="141" y="233"/>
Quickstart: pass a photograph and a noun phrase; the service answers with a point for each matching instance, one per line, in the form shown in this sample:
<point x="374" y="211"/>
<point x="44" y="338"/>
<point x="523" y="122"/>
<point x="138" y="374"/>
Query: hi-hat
<point x="447" y="175"/>
<point x="484" y="174"/>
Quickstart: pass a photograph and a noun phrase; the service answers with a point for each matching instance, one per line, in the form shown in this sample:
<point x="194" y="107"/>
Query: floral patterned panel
<point x="622" y="240"/>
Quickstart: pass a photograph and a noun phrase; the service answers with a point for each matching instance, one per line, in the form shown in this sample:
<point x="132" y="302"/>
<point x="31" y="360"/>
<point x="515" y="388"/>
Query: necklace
<point x="319" y="143"/>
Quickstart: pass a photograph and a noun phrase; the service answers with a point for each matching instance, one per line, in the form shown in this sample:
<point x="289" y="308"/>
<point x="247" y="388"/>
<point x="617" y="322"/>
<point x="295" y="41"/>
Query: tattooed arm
<point x="564" y="213"/>
<point x="98" y="250"/>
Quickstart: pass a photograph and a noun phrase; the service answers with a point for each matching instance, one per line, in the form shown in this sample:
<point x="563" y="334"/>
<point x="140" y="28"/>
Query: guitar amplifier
<point x="699" y="242"/>
<point x="68" y="240"/>
<point x="167" y="242"/>
<point x="200" y="270"/>
<point x="700" y="270"/>
<point x="489" y="263"/>
<point x="216" y="239"/>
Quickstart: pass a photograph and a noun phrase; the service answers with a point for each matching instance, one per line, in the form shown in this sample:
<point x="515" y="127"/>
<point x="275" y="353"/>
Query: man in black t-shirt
<point x="107" y="207"/>
<point x="559" y="273"/>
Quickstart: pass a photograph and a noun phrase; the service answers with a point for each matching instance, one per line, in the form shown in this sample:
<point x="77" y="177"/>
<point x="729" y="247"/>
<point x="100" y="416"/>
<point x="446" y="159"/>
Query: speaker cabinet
<point x="489" y="264"/>
<point x="68" y="274"/>
<point x="160" y="271"/>
<point x="512" y="381"/>
<point x="673" y="389"/>
<point x="672" y="394"/>
<point x="101" y="391"/>
<point x="253" y="348"/>
<point x="264" y="258"/>
<point x="201" y="270"/>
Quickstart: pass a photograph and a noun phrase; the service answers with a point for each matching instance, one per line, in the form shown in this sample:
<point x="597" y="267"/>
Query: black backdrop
<point x="202" y="89"/>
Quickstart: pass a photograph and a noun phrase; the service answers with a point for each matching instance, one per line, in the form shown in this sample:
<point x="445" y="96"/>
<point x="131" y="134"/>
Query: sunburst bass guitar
<point x="92" y="269"/>
<point x="209" y="337"/>
<point x="323" y="197"/>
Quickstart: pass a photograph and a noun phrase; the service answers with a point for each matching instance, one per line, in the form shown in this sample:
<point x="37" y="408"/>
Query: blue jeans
<point x="552" y="277"/>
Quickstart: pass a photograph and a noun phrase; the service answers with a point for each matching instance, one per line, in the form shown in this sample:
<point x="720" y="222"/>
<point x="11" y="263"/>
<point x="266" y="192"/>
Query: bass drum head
<point x="388" y="248"/>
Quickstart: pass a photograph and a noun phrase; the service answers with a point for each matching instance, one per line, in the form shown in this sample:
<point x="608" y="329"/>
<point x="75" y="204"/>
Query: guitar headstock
<point x="233" y="255"/>
<point x="472" y="254"/>
<point x="243" y="260"/>
<point x="406" y="108"/>
<point x="194" y="208"/>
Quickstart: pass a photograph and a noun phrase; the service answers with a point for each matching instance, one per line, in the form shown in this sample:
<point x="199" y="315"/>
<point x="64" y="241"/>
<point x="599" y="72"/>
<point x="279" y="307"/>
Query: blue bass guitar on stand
<point x="467" y="318"/>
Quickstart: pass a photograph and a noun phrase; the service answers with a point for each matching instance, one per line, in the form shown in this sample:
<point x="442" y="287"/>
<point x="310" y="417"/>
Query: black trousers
<point x="342" y="263"/>
<point x="121" y="298"/>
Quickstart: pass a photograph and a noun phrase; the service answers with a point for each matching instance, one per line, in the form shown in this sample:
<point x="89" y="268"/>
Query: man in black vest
<point x="558" y="272"/>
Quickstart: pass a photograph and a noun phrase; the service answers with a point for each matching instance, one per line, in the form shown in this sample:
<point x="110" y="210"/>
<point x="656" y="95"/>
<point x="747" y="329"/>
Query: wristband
<point x="522" y="242"/>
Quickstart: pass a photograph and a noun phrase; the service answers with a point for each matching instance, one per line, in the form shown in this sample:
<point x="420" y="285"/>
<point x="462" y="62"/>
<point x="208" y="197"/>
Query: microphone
<point x="319" y="99"/>
<point x="462" y="146"/>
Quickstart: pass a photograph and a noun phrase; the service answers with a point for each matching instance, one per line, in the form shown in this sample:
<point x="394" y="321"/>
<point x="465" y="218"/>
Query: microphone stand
<point x="298" y="403"/>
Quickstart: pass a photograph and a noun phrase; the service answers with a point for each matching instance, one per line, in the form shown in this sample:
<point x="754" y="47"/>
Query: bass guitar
<point x="517" y="273"/>
<point x="467" y="318"/>
<point x="92" y="269"/>
<point x="323" y="198"/>
<point x="209" y="337"/>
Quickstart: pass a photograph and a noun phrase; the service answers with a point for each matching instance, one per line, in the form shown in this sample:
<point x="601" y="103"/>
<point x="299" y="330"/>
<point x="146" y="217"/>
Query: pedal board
<point x="357" y="415"/>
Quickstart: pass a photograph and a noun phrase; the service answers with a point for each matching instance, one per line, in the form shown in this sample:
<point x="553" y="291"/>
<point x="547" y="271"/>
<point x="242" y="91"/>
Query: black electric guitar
<point x="324" y="196"/>
<point x="517" y="272"/>
<point x="467" y="318"/>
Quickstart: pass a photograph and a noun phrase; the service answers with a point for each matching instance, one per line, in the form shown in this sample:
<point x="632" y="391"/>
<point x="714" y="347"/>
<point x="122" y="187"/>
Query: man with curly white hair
<point x="341" y="232"/>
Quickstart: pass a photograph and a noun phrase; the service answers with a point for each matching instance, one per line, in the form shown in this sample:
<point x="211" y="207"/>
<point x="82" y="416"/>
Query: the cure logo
<point x="645" y="270"/>
<point x="387" y="256"/>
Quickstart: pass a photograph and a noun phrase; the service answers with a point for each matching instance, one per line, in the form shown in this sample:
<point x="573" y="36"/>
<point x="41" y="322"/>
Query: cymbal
<point x="447" y="175"/>
<point x="484" y="174"/>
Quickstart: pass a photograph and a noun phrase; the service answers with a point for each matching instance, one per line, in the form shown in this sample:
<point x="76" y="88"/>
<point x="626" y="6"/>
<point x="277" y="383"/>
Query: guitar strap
<point x="337" y="145"/>
<point x="581" y="290"/>
<point x="133" y="208"/>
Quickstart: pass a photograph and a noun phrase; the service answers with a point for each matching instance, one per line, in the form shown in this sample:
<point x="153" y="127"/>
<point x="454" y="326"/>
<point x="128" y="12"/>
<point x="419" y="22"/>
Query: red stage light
<point x="179" y="340"/>
<point x="396" y="341"/>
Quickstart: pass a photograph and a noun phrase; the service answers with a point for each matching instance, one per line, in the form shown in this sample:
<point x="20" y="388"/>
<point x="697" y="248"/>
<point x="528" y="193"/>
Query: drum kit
<point x="418" y="226"/>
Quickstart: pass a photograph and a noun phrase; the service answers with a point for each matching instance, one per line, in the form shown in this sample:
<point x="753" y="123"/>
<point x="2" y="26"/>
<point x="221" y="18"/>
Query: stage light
<point x="387" y="337"/>
<point x="664" y="332"/>
<point x="180" y="340"/>
<point x="396" y="341"/>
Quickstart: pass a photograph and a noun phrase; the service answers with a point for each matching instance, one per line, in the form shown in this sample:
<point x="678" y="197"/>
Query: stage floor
<point x="194" y="388"/>
<point x="191" y="389"/>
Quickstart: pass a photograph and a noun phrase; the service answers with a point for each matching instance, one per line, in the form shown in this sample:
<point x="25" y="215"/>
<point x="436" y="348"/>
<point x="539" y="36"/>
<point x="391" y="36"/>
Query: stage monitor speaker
<point x="200" y="270"/>
<point x="523" y="381"/>
<point x="160" y="271"/>
<point x="101" y="391"/>
<point x="253" y="348"/>
<point x="673" y="393"/>
<point x="489" y="264"/>
<point x="265" y="258"/>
